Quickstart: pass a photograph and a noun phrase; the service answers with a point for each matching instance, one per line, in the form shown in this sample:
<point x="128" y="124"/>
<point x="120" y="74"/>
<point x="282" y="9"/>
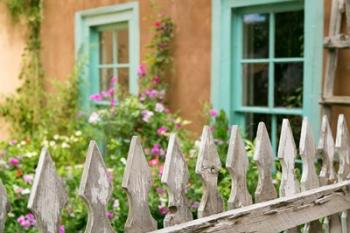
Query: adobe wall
<point x="12" y="43"/>
<point x="190" y="80"/>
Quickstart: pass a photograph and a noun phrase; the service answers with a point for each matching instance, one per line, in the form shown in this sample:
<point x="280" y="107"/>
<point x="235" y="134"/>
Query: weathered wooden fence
<point x="318" y="202"/>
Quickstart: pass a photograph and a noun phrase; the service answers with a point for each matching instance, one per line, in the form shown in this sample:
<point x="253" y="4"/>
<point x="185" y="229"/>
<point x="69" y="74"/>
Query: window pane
<point x="105" y="79"/>
<point x="289" y="34"/>
<point x="295" y="123"/>
<point x="123" y="81"/>
<point x="123" y="45"/>
<point x="106" y="47"/>
<point x="252" y="122"/>
<point x="255" y="84"/>
<point x="255" y="35"/>
<point x="289" y="85"/>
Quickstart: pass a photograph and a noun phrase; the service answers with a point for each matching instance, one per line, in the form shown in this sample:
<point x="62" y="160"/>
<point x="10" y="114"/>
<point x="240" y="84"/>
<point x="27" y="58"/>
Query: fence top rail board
<point x="316" y="196"/>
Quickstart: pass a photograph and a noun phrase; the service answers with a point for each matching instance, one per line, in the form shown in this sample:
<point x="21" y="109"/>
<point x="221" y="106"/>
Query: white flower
<point x="65" y="145"/>
<point x="52" y="143"/>
<point x="78" y="133"/>
<point x="56" y="137"/>
<point x="32" y="154"/>
<point x="123" y="160"/>
<point x="25" y="191"/>
<point x="116" y="204"/>
<point x="159" y="107"/>
<point x="146" y="115"/>
<point x="94" y="118"/>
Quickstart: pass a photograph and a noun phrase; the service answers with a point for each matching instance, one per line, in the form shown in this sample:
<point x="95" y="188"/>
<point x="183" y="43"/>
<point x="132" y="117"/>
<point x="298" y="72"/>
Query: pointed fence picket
<point x="305" y="204"/>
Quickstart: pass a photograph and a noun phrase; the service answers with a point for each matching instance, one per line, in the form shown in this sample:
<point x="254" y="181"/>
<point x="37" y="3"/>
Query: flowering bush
<point x="145" y="115"/>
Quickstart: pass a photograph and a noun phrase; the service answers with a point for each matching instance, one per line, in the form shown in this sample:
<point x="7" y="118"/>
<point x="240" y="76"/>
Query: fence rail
<point x="318" y="201"/>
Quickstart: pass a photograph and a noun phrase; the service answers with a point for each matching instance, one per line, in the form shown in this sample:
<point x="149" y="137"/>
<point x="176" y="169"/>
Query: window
<point x="271" y="70"/>
<point x="108" y="44"/>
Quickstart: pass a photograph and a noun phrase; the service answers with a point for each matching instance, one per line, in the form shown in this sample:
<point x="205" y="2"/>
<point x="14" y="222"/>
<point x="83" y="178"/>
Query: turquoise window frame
<point x="226" y="94"/>
<point x="86" y="42"/>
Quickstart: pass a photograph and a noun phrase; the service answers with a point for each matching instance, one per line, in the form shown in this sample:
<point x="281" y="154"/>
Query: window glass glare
<point x="255" y="35"/>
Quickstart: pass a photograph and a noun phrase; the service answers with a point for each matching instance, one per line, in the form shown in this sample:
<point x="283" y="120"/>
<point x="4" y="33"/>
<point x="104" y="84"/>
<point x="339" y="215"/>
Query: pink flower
<point x="26" y="221"/>
<point x="157" y="24"/>
<point x="151" y="93"/>
<point x="156" y="149"/>
<point x="153" y="162"/>
<point x="195" y="205"/>
<point x="28" y="178"/>
<point x="61" y="230"/>
<point x="141" y="70"/>
<point x="113" y="102"/>
<point x="156" y="79"/>
<point x="114" y="80"/>
<point x="109" y="214"/>
<point x="147" y="115"/>
<point x="96" y="97"/>
<point x="162" y="130"/>
<point x="160" y="190"/>
<point x="161" y="169"/>
<point x="213" y="113"/>
<point x="159" y="107"/>
<point x="14" y="162"/>
<point x="163" y="210"/>
<point x="13" y="142"/>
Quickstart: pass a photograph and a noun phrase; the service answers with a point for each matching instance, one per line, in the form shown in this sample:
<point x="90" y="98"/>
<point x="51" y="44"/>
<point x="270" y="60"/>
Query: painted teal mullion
<point x="271" y="63"/>
<point x="274" y="132"/>
<point x="113" y="66"/>
<point x="266" y="60"/>
<point x="266" y="110"/>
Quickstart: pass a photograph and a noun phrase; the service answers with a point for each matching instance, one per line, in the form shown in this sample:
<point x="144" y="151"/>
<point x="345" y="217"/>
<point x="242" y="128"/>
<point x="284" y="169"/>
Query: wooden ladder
<point x="335" y="41"/>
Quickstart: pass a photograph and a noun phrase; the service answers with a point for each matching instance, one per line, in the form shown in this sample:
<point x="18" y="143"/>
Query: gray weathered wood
<point x="342" y="149"/>
<point x="275" y="215"/>
<point x="4" y="206"/>
<point x="287" y="153"/>
<point x="137" y="182"/>
<point x="264" y="158"/>
<point x="327" y="175"/>
<point x="332" y="61"/>
<point x="208" y="166"/>
<point x="347" y="14"/>
<point x="48" y="196"/>
<point x="309" y="178"/>
<point x="237" y="164"/>
<point x="176" y="176"/>
<point x="95" y="189"/>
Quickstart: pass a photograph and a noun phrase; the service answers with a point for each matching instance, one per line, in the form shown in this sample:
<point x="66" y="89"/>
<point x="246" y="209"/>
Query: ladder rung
<point x="336" y="100"/>
<point x="339" y="41"/>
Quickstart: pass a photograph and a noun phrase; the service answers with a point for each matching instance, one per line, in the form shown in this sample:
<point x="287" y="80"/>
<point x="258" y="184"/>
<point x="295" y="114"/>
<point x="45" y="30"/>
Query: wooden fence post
<point x="4" y="207"/>
<point x="208" y="166"/>
<point x="287" y="153"/>
<point x="309" y="178"/>
<point x="137" y="182"/>
<point x="237" y="164"/>
<point x="342" y="149"/>
<point x="47" y="196"/>
<point x="175" y="176"/>
<point x="327" y="175"/>
<point x="95" y="189"/>
<point x="264" y="158"/>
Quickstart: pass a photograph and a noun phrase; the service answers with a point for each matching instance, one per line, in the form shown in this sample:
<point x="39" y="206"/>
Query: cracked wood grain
<point x="342" y="149"/>
<point x="48" y="196"/>
<point x="95" y="189"/>
<point x="264" y="158"/>
<point x="175" y="177"/>
<point x="287" y="153"/>
<point x="309" y="178"/>
<point x="137" y="182"/>
<point x="237" y="164"/>
<point x="208" y="166"/>
<point x="275" y="215"/>
<point x="327" y="175"/>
